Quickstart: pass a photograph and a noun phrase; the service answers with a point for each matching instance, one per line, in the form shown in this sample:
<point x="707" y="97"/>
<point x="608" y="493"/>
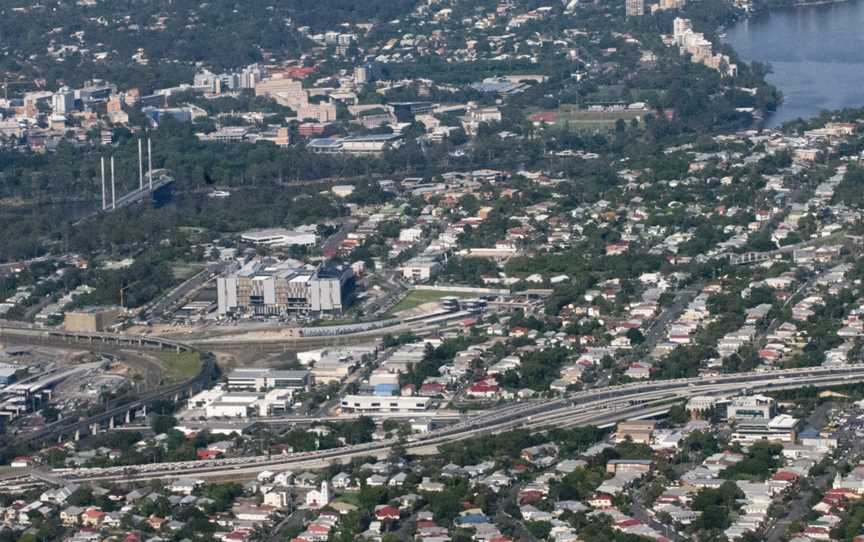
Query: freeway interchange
<point x="598" y="407"/>
<point x="601" y="406"/>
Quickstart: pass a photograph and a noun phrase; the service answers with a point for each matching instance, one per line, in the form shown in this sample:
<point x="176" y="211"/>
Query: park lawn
<point x="350" y="497"/>
<point x="180" y="366"/>
<point x="581" y="119"/>
<point x="348" y="317"/>
<point x="7" y="471"/>
<point x="415" y="298"/>
<point x="335" y="322"/>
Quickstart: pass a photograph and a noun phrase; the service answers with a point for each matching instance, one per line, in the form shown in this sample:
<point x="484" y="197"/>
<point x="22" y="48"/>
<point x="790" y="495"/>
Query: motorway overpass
<point x="231" y="424"/>
<point x="114" y="414"/>
<point x="597" y="407"/>
<point x="602" y="406"/>
<point x="87" y="340"/>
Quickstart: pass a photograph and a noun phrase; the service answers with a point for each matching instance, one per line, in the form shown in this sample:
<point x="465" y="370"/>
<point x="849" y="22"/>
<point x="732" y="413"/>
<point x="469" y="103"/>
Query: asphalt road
<point x="604" y="406"/>
<point x="332" y="244"/>
<point x="394" y="289"/>
<point x="299" y="518"/>
<point x="171" y="301"/>
<point x="638" y="511"/>
<point x="797" y="508"/>
<point x="850" y="450"/>
<point x="657" y="330"/>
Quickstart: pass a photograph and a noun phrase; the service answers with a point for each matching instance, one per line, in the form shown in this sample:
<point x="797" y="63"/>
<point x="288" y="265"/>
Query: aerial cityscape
<point x="432" y="271"/>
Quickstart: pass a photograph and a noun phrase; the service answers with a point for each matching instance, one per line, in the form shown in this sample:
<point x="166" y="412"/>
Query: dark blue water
<point x="817" y="54"/>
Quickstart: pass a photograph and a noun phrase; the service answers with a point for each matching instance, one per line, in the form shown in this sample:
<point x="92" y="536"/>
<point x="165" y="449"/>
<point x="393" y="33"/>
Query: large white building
<point x="383" y="404"/>
<point x="780" y="428"/>
<point x="319" y="498"/>
<point x="420" y="269"/>
<point x="280" y="237"/>
<point x="335" y="364"/>
<point x="410" y="235"/>
<point x="220" y="402"/>
<point x="261" y="379"/>
<point x="63" y="101"/>
<point x="700" y="49"/>
<point x="751" y="407"/>
<point x="278" y="288"/>
<point x="368" y="144"/>
<point x="245" y="405"/>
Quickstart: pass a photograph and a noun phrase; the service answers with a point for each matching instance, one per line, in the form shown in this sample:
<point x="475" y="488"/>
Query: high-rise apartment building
<point x="63" y="101"/>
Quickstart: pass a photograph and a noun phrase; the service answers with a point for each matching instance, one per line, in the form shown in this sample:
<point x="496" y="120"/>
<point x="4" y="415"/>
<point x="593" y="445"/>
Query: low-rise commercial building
<point x="750" y="407"/>
<point x="280" y="237"/>
<point x="334" y="368"/>
<point x="420" y="269"/>
<point x="91" y="320"/>
<point x="781" y="428"/>
<point x="220" y="402"/>
<point x="639" y="431"/>
<point x="379" y="404"/>
<point x="267" y="379"/>
<point x="369" y="144"/>
<point x="246" y="405"/>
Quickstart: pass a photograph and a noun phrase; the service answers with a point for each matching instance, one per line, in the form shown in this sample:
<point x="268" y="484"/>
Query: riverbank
<point x="813" y="52"/>
<point x="818" y="3"/>
<point x="798" y="4"/>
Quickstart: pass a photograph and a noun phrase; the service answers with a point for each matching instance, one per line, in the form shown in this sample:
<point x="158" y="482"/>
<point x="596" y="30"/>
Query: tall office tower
<point x="635" y="8"/>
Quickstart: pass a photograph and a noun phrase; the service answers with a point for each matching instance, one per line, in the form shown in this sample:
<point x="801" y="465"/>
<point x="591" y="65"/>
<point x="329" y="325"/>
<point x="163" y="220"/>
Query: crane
<point x="123" y="289"/>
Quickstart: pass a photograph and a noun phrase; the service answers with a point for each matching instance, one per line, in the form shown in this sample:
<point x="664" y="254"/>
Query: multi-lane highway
<point x="599" y="406"/>
<point x="602" y="406"/>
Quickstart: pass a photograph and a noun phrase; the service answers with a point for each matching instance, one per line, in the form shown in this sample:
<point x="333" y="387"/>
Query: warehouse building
<point x="219" y="402"/>
<point x="268" y="379"/>
<point x="379" y="404"/>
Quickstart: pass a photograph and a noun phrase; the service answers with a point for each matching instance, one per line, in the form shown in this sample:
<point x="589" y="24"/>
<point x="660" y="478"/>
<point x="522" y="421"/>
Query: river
<point x="816" y="52"/>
